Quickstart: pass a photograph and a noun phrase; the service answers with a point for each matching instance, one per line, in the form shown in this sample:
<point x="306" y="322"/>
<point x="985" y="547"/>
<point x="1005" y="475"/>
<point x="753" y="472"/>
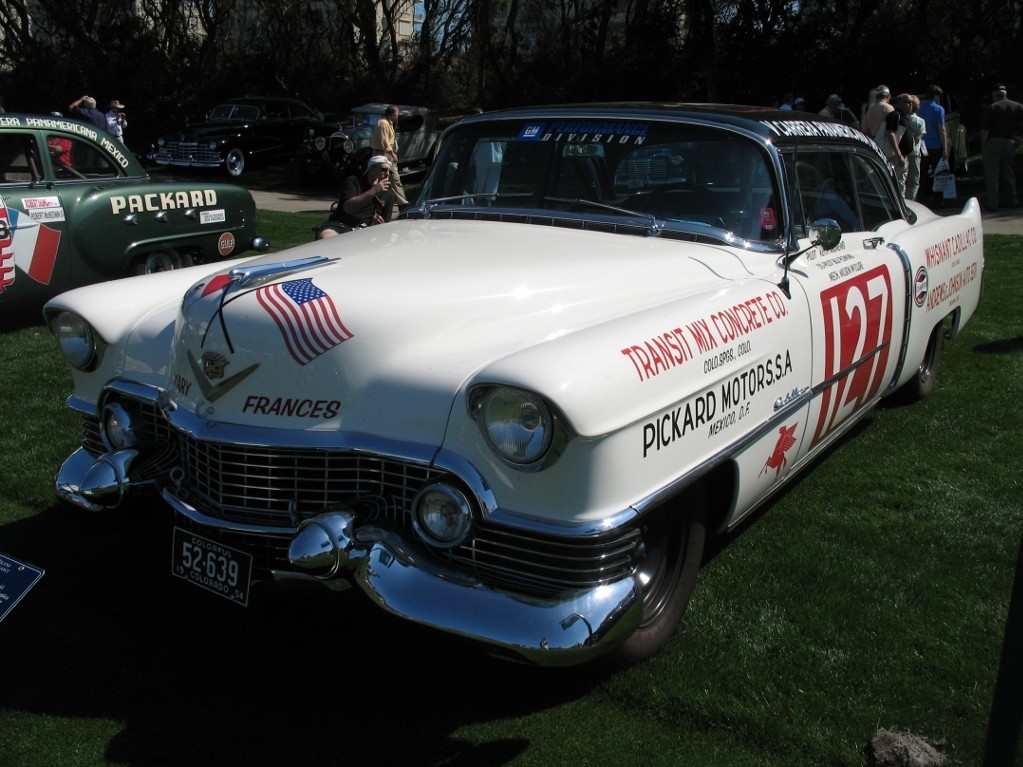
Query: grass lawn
<point x="873" y="593"/>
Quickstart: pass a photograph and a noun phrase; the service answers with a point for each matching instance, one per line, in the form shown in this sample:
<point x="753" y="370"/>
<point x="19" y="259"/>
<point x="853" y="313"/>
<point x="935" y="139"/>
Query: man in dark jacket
<point x="1001" y="130"/>
<point x="84" y="108"/>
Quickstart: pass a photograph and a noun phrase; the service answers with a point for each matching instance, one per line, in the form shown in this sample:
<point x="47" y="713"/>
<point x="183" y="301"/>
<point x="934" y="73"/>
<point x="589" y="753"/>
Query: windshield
<point x="687" y="176"/>
<point x="239" y="112"/>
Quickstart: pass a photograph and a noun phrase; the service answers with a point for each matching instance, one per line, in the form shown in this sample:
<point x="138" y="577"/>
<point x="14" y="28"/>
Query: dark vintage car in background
<point x="76" y="207"/>
<point x="333" y="153"/>
<point x="240" y="133"/>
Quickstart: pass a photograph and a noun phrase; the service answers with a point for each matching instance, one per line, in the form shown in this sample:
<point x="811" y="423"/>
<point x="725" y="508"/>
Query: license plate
<point x="211" y="565"/>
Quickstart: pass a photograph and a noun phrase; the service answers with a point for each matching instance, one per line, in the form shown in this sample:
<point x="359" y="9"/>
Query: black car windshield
<point x="687" y="176"/>
<point x="238" y="112"/>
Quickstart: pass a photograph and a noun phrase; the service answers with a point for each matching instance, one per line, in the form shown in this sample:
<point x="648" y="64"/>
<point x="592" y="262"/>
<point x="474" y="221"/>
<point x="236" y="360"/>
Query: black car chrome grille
<point x="280" y="486"/>
<point x="190" y="150"/>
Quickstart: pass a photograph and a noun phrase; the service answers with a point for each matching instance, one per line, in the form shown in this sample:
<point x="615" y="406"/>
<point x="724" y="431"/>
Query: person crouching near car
<point x="366" y="199"/>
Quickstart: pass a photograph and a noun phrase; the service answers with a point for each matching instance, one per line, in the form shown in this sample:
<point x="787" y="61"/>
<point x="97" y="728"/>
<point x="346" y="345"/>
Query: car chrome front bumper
<point x="547" y="631"/>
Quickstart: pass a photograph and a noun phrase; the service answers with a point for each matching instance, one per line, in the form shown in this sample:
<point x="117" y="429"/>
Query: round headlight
<point x="349" y="146"/>
<point x="442" y="515"/>
<point x="518" y="424"/>
<point x="75" y="340"/>
<point x="320" y="143"/>
<point x="118" y="427"/>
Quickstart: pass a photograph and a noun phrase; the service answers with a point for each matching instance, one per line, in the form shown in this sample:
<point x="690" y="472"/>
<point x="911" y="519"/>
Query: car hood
<point x="206" y="129"/>
<point x="381" y="336"/>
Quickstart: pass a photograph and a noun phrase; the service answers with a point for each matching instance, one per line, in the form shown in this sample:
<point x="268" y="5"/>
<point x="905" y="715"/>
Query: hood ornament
<point x="211" y="391"/>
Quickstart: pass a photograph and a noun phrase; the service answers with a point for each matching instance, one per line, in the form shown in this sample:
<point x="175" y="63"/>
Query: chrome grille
<point x="279" y="486"/>
<point x="545" y="563"/>
<point x="189" y="150"/>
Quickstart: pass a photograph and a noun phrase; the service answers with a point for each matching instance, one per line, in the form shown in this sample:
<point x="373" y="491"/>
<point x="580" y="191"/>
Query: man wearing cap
<point x="116" y="121"/>
<point x="835" y="108"/>
<point x="366" y="200"/>
<point x="878" y="111"/>
<point x="1001" y="129"/>
<point x="84" y="108"/>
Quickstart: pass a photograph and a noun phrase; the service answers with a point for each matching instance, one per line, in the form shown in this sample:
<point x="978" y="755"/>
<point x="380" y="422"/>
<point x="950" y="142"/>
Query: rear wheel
<point x="674" y="536"/>
<point x="165" y="260"/>
<point x="922" y="383"/>
<point x="234" y="163"/>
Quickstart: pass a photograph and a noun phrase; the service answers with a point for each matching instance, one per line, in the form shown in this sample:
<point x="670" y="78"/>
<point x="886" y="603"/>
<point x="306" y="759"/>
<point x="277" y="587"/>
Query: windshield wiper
<point x="655" y="224"/>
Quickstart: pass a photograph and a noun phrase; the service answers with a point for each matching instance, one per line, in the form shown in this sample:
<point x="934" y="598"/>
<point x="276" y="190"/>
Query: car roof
<point x="259" y="101"/>
<point x="374" y="108"/>
<point x="776" y="125"/>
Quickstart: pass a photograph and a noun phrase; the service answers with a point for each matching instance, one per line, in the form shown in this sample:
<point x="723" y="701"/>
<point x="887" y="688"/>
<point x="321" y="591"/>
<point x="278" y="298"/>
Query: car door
<point x="856" y="292"/>
<point x="35" y="250"/>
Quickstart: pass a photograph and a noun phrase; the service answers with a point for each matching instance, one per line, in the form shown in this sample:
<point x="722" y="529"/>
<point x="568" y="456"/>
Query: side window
<point x="74" y="158"/>
<point x="825" y="189"/>
<point x="17" y="158"/>
<point x="876" y="202"/>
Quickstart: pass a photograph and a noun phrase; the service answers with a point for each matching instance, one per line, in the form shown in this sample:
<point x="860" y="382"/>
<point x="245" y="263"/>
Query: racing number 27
<point x="857" y="342"/>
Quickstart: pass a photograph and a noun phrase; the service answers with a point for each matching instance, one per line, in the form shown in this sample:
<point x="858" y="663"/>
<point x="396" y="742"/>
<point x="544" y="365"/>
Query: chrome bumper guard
<point x="544" y="631"/>
<point x="94" y="483"/>
<point x="541" y="630"/>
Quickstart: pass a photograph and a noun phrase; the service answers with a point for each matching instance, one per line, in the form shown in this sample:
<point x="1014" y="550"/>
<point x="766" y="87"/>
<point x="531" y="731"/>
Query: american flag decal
<point x="306" y="316"/>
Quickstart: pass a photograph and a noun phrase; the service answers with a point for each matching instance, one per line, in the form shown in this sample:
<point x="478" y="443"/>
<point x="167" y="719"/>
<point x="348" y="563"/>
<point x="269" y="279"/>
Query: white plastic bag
<point x="950" y="188"/>
<point x="942" y="177"/>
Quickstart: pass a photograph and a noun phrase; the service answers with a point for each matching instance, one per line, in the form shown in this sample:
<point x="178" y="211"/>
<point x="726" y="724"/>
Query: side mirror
<point x="826" y="232"/>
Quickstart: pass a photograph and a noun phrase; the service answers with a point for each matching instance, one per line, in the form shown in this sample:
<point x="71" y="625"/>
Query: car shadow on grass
<point x="296" y="678"/>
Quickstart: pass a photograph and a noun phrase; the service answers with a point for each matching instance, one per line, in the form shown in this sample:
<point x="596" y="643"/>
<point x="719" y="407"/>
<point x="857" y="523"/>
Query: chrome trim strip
<point x="208" y="431"/>
<point x="677" y="485"/>
<point x="907" y="267"/>
<point x="192" y="513"/>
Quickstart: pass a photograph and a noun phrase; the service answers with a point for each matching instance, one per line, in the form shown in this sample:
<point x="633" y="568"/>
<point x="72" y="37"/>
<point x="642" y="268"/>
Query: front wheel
<point x="166" y="260"/>
<point x="234" y="162"/>
<point x="674" y="536"/>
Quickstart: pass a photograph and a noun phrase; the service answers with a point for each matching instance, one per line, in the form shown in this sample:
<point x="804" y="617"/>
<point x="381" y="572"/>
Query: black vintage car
<point x="335" y="152"/>
<point x="240" y="133"/>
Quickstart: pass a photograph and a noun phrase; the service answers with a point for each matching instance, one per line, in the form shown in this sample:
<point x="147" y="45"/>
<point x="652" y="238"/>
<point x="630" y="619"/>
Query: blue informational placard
<point x="16" y="578"/>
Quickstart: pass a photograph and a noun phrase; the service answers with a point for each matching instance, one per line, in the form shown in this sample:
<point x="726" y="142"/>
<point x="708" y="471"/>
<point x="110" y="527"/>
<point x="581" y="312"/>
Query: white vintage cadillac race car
<point x="513" y="413"/>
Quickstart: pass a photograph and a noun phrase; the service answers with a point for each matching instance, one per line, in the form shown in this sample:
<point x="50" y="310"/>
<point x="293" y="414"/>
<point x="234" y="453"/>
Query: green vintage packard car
<point x="76" y="207"/>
